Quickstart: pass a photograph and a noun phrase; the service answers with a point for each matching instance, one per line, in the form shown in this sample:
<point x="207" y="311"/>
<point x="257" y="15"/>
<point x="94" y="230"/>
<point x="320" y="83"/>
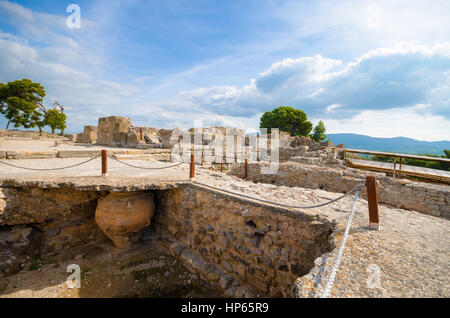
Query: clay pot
<point x="123" y="217"/>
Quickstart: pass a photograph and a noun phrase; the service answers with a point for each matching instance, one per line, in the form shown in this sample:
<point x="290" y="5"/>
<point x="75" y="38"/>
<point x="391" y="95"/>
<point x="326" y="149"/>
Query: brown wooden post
<point x="246" y="168"/>
<point x="192" y="169"/>
<point x="221" y="166"/>
<point x="400" y="169"/>
<point x="372" y="198"/>
<point x="104" y="163"/>
<point x="140" y="133"/>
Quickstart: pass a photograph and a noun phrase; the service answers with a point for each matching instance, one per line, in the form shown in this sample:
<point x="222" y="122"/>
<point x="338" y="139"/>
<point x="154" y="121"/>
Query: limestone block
<point x="89" y="129"/>
<point x="77" y="153"/>
<point x="151" y="139"/>
<point x="114" y="124"/>
<point x="30" y="154"/>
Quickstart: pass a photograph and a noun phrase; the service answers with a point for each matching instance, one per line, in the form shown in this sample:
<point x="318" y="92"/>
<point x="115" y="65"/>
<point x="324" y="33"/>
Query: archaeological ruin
<point x="210" y="212"/>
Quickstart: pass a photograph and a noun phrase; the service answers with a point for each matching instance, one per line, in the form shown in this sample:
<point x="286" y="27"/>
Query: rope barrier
<point x="49" y="169"/>
<point x="340" y="251"/>
<point x="147" y="168"/>
<point x="356" y="188"/>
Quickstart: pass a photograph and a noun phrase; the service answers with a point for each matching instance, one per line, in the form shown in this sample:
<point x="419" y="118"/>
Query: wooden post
<point x="221" y="166"/>
<point x="246" y="168"/>
<point x="104" y="163"/>
<point x="372" y="198"/>
<point x="140" y="133"/>
<point x="395" y="163"/>
<point x="400" y="169"/>
<point x="192" y="169"/>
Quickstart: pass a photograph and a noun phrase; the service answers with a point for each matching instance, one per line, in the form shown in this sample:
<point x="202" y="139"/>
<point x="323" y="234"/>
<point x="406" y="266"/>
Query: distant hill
<point x="397" y="144"/>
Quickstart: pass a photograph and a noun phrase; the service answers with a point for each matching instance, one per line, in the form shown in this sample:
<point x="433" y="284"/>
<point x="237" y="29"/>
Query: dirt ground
<point x="143" y="271"/>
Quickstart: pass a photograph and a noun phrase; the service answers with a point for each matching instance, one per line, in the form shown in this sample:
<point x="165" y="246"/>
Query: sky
<point x="379" y="68"/>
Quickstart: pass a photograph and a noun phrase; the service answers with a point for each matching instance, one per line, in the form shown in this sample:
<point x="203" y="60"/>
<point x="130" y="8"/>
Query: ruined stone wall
<point x="15" y="133"/>
<point x="247" y="248"/>
<point x="44" y="222"/>
<point x="89" y="135"/>
<point x="112" y="131"/>
<point x="427" y="198"/>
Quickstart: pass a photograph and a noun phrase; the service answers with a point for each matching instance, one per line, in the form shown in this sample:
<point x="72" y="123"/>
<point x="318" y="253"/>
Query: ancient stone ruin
<point x="118" y="131"/>
<point x="231" y="231"/>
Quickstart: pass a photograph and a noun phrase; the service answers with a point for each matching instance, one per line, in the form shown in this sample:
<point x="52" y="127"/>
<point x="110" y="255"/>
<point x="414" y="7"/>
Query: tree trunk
<point x="62" y="132"/>
<point x="53" y="131"/>
<point x="7" y="125"/>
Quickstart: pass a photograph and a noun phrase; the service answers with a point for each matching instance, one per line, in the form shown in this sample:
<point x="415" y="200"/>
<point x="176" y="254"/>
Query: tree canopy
<point x="319" y="132"/>
<point x="288" y="119"/>
<point x="19" y="102"/>
<point x="55" y="119"/>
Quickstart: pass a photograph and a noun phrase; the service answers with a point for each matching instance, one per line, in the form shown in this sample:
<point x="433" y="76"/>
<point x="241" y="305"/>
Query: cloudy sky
<point x="380" y="68"/>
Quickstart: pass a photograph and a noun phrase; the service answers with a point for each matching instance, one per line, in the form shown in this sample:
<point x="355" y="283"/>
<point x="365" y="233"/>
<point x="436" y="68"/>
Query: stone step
<point x="78" y="153"/>
<point x="153" y="157"/>
<point x="31" y="154"/>
<point x="307" y="160"/>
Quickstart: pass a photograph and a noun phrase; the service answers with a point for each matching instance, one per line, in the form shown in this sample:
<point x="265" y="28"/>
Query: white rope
<point x="280" y="204"/>
<point x="49" y="169"/>
<point x="147" y="168"/>
<point x="341" y="250"/>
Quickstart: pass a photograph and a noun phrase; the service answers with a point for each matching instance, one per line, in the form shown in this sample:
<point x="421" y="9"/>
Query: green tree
<point x="62" y="124"/>
<point x="19" y="102"/>
<point x="287" y="119"/>
<point x="55" y="119"/>
<point x="319" y="132"/>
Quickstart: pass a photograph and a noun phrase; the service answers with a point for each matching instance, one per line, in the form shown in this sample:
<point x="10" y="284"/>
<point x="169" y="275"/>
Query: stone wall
<point x="112" y="131"/>
<point x="427" y="198"/>
<point x="247" y="248"/>
<point x="89" y="135"/>
<point x="44" y="222"/>
<point x="15" y="133"/>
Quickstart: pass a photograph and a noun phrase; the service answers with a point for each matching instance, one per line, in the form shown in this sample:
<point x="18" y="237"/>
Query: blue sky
<point x="380" y="68"/>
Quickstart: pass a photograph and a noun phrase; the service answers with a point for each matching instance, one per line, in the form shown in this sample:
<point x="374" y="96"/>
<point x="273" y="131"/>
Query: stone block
<point x="77" y="153"/>
<point x="30" y="154"/>
<point x="177" y="248"/>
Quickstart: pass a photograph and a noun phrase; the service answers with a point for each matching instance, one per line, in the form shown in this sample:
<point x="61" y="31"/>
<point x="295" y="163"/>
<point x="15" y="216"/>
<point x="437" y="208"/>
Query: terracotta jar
<point x="123" y="217"/>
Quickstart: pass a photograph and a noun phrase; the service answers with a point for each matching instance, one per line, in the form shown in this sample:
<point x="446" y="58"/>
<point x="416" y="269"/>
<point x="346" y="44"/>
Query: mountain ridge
<point x="394" y="144"/>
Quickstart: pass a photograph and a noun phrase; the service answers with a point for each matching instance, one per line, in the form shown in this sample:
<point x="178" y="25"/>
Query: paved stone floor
<point x="93" y="168"/>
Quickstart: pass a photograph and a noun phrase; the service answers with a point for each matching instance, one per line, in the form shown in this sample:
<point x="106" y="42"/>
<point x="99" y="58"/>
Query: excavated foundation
<point x="200" y="243"/>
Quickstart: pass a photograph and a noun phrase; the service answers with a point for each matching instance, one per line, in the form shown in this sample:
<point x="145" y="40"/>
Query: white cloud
<point x="398" y="76"/>
<point x="332" y="106"/>
<point x="414" y="122"/>
<point x="384" y="91"/>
